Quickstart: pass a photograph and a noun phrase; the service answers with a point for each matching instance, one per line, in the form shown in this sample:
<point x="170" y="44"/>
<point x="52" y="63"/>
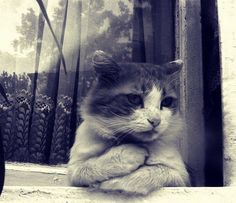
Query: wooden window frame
<point x="189" y="49"/>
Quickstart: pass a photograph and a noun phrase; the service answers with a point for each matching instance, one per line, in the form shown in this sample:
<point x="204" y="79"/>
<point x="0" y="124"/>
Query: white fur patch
<point x="153" y="99"/>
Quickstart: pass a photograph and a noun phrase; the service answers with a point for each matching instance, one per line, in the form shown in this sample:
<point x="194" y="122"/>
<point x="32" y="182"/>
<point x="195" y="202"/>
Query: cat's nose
<point x="154" y="122"/>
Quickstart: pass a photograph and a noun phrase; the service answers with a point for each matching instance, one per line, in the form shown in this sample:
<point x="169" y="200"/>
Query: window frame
<point x="188" y="48"/>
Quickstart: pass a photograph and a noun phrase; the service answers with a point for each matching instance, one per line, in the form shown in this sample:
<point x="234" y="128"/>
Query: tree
<point x="107" y="30"/>
<point x="27" y="31"/>
<point x="116" y="38"/>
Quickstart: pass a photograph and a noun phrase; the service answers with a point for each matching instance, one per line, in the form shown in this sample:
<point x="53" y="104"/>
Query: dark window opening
<point x="212" y="95"/>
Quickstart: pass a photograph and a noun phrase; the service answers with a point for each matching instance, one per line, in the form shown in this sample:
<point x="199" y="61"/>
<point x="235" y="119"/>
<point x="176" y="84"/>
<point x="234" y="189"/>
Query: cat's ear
<point x="105" y="67"/>
<point x="172" y="67"/>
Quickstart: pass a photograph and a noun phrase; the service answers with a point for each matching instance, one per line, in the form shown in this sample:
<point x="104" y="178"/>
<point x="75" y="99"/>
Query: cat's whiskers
<point x="139" y="126"/>
<point x="123" y="129"/>
<point x="111" y="123"/>
<point x="113" y="126"/>
<point x="119" y="116"/>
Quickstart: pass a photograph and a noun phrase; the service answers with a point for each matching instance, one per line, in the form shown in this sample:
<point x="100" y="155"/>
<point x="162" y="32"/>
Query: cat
<point x="128" y="141"/>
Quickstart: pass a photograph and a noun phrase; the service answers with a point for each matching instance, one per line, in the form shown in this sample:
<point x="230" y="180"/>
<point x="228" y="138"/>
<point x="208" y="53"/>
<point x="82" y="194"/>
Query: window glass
<point x="39" y="123"/>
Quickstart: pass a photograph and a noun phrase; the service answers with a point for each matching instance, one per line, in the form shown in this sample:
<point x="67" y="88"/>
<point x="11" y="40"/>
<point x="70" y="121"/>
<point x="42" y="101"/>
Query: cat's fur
<point x="128" y="141"/>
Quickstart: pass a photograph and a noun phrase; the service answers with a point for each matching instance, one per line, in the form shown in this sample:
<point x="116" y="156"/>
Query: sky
<point x="10" y="17"/>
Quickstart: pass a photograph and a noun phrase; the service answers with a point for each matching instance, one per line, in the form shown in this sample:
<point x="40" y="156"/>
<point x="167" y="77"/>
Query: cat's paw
<point x="119" y="185"/>
<point x="132" y="156"/>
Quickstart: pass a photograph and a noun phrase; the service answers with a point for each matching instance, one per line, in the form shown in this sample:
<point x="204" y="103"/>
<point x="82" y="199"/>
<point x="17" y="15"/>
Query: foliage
<point x="113" y="31"/>
<point x="15" y="82"/>
<point x="27" y="31"/>
<point x="62" y="27"/>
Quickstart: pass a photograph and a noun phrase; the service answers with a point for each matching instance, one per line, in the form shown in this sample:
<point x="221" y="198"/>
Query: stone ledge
<point x="26" y="174"/>
<point x="82" y="195"/>
<point x="30" y="167"/>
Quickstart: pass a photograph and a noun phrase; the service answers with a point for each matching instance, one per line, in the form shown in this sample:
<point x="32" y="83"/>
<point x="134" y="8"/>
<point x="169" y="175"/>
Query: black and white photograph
<point x="106" y="101"/>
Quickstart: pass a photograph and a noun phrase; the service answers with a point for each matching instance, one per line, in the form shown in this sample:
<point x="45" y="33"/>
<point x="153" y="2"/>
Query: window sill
<point x="38" y="183"/>
<point x="26" y="174"/>
<point x="72" y="194"/>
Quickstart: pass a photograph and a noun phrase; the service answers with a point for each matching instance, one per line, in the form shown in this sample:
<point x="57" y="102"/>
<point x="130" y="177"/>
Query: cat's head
<point x="132" y="99"/>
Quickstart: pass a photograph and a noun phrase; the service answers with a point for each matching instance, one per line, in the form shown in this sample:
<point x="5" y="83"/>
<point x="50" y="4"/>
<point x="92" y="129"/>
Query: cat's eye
<point x="168" y="102"/>
<point x="135" y="99"/>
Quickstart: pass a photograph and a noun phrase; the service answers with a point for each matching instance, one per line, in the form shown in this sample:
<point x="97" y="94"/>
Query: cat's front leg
<point x="145" y="180"/>
<point x="117" y="161"/>
<point x="94" y="159"/>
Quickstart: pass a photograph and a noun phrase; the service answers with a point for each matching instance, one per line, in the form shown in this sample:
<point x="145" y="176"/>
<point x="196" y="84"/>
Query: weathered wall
<point x="227" y="19"/>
